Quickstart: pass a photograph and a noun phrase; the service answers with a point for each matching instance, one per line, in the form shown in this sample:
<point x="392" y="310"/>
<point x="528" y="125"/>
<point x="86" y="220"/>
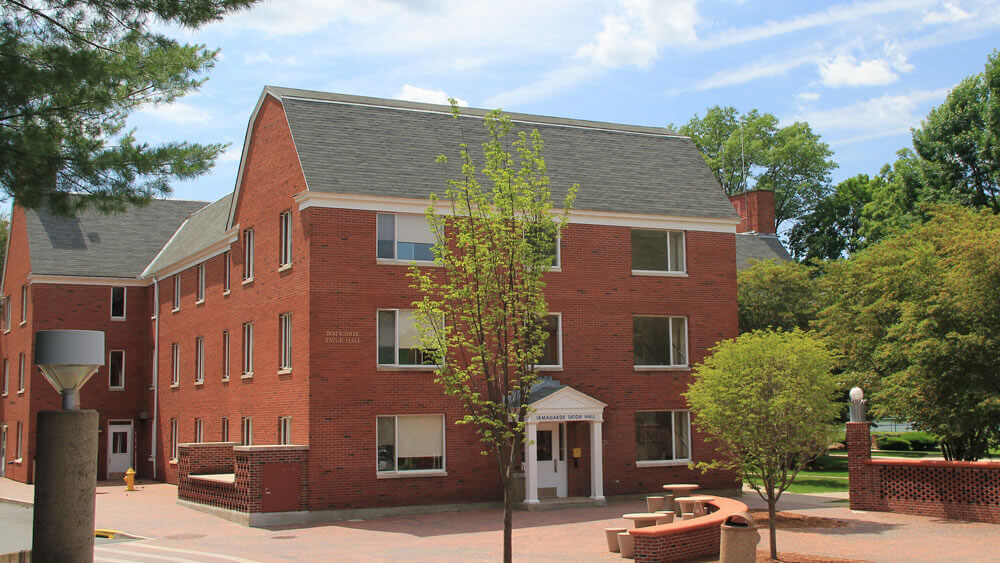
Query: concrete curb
<point x="17" y="502"/>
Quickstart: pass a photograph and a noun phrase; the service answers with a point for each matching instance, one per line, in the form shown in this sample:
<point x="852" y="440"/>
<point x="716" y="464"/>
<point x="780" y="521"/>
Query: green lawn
<point x="808" y="484"/>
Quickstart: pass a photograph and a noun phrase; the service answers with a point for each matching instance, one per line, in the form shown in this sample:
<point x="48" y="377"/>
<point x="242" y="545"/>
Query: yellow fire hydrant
<point x="130" y="479"/>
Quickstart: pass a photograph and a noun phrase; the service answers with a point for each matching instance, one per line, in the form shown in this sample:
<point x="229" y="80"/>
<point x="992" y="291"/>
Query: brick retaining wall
<point x="683" y="540"/>
<point x="956" y="490"/>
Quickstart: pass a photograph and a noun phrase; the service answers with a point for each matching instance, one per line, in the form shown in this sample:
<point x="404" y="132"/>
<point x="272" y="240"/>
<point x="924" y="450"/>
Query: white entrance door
<point x="551" y="455"/>
<point x="119" y="449"/>
<point x="3" y="450"/>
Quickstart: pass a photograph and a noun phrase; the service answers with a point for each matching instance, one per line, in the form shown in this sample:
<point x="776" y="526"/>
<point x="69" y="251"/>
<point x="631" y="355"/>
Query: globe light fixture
<point x="857" y="405"/>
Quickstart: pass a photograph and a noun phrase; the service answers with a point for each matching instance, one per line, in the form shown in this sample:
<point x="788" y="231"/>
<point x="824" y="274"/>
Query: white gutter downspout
<point x="156" y="364"/>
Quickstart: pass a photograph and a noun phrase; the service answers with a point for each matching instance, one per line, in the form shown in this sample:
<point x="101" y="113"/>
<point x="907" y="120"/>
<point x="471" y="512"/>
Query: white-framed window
<point x="177" y="292"/>
<point x="175" y="364"/>
<point x="658" y="251"/>
<point x="404" y="237"/>
<point x="20" y="372"/>
<point x="173" y="439"/>
<point x="662" y="437"/>
<point x="20" y="439"/>
<point x="199" y="359"/>
<point x="248" y="254"/>
<point x="410" y="443"/>
<point x="116" y="369"/>
<point x="118" y="296"/>
<point x="246" y="437"/>
<point x="201" y="283"/>
<point x="6" y="376"/>
<point x="399" y="341"/>
<point x="247" y="349"/>
<point x="199" y="431"/>
<point x="285" y="327"/>
<point x="5" y="315"/>
<point x="224" y="435"/>
<point x="24" y="304"/>
<point x="285" y="252"/>
<point x="552" y="353"/>
<point x="284" y="430"/>
<point x="659" y="341"/>
<point x="227" y="268"/>
<point x="225" y="355"/>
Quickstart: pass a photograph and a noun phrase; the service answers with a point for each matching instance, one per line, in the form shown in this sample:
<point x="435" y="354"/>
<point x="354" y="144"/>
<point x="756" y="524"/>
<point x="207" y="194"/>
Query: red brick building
<point x="279" y="314"/>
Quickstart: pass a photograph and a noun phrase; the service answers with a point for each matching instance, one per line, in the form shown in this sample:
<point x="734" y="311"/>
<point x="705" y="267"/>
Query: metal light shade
<point x="68" y="358"/>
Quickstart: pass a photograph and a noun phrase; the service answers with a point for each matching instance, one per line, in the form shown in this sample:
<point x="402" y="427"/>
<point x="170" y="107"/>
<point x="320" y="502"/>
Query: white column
<point x="531" y="464"/>
<point x="596" y="461"/>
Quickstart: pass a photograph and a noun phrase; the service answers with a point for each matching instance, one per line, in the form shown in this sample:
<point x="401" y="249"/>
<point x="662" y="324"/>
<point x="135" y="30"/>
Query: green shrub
<point x="892" y="443"/>
<point x="921" y="441"/>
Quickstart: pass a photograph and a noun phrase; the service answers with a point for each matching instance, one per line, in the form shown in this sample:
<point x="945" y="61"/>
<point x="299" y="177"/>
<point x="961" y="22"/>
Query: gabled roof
<point x="92" y="244"/>
<point x="756" y="246"/>
<point x="372" y="146"/>
<point x="203" y="229"/>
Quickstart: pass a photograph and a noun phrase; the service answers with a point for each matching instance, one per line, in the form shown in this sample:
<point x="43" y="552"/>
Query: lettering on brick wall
<point x="342" y="337"/>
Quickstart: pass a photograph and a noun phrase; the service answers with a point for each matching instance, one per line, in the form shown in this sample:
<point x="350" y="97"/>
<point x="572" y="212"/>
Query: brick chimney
<point x="756" y="209"/>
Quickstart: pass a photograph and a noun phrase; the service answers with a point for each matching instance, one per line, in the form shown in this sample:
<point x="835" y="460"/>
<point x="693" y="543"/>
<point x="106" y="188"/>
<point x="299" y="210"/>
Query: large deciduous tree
<point x="780" y="295"/>
<point x="72" y="73"/>
<point x="916" y="321"/>
<point x="751" y="151"/>
<point x="835" y="226"/>
<point x="765" y="400"/>
<point x="496" y="239"/>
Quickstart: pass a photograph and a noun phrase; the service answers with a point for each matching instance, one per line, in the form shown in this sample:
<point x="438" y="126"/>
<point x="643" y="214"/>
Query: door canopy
<point x="552" y="402"/>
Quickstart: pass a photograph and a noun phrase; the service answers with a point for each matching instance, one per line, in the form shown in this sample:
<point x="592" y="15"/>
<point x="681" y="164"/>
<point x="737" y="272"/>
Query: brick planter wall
<point x="957" y="490"/>
<point x="683" y="540"/>
<point x="267" y="478"/>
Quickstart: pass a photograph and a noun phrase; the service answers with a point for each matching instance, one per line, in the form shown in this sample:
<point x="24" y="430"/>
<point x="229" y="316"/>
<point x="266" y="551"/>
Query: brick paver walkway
<point x="564" y="535"/>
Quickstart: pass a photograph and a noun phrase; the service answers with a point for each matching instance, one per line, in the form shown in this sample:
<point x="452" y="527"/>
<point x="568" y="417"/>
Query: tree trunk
<point x="508" y="523"/>
<point x="771" y="523"/>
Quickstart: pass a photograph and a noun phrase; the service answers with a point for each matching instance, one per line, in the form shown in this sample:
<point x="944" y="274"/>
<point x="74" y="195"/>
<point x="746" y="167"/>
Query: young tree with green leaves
<point x="765" y="400"/>
<point x="72" y="73"/>
<point x="482" y="312"/>
<point x="750" y="151"/>
<point x="915" y="320"/>
<point x="779" y="295"/>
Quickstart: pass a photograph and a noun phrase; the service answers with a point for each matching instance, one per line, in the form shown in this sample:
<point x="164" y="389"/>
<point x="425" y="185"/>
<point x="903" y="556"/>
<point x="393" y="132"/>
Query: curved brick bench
<point x="685" y="539"/>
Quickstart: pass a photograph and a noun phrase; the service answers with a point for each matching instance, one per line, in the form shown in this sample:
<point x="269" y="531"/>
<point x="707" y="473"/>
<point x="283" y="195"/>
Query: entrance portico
<point x="545" y="462"/>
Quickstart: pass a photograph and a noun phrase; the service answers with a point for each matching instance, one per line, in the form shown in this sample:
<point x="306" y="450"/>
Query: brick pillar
<point x="859" y="452"/>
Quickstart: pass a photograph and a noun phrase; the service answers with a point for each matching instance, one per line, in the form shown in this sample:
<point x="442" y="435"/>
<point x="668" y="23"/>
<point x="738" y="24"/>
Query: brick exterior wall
<point x="756" y="209"/>
<point x="16" y="406"/>
<point x="955" y="490"/>
<point x="335" y="391"/>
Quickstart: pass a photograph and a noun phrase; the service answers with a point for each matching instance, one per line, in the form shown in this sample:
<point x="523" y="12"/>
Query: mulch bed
<point x="791" y="521"/>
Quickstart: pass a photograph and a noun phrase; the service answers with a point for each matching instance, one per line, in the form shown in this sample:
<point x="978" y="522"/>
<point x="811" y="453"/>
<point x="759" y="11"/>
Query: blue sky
<point x="861" y="73"/>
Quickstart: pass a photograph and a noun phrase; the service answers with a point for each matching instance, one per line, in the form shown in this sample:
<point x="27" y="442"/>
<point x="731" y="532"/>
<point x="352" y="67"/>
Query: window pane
<point x="386" y="231"/>
<point x="117" y="301"/>
<point x="415" y="251"/>
<point x="386" y="337"/>
<point x="550" y="356"/>
<point x="543" y="445"/>
<point x="119" y="442"/>
<point x="676" y="252"/>
<point x="386" y="438"/>
<point x="649" y="250"/>
<point x="653" y="440"/>
<point x="419" y="443"/>
<point x="681" y="446"/>
<point x="115" y="366"/>
<point x="649" y="341"/>
<point x="678" y="341"/>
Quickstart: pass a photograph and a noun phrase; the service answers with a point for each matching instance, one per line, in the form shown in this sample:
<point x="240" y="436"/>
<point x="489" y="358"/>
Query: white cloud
<point x="950" y="14"/>
<point x="886" y="114"/>
<point x="426" y="95"/>
<point x="843" y="70"/>
<point x="178" y="112"/>
<point x="636" y="36"/>
<point x="807" y="96"/>
<point x="551" y="83"/>
<point x="748" y="73"/>
<point x="231" y="154"/>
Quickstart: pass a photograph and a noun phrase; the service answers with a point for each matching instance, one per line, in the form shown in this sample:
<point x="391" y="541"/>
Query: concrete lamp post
<point x="66" y="454"/>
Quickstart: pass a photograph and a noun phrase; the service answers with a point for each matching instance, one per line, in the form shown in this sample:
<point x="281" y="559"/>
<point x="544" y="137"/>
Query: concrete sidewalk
<point x="562" y="535"/>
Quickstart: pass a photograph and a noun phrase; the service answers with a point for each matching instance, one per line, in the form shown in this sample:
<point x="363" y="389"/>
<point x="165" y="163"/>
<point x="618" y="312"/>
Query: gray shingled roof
<point x="372" y="146"/>
<point x="203" y="229"/>
<point x="96" y="245"/>
<point x="758" y="247"/>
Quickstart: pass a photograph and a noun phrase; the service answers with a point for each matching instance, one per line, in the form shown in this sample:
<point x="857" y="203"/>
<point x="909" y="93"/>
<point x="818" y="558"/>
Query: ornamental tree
<point x="916" y="322"/>
<point x="496" y="235"/>
<point x="72" y="73"/>
<point x="765" y="400"/>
